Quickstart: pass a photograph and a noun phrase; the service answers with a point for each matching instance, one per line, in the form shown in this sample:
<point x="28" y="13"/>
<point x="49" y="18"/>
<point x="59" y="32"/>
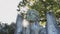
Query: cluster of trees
<point x="43" y="6"/>
<point x="7" y="29"/>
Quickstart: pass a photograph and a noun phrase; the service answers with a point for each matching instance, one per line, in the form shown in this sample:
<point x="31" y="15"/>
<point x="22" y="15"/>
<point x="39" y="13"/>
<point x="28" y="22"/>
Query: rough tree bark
<point x="51" y="24"/>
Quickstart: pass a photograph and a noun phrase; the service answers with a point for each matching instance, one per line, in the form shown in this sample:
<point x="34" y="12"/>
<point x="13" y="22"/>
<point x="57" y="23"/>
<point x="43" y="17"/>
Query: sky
<point x="8" y="10"/>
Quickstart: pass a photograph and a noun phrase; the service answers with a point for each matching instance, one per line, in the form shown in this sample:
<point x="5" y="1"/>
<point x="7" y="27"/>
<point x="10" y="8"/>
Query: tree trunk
<point x="59" y="30"/>
<point x="51" y="24"/>
<point x="35" y="27"/>
<point x="19" y="24"/>
<point x="26" y="30"/>
<point x="43" y="31"/>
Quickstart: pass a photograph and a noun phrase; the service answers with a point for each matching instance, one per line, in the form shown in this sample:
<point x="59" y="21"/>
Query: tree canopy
<point x="42" y="6"/>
